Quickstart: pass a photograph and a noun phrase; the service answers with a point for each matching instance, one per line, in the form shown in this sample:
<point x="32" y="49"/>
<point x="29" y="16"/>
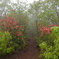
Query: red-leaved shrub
<point x="10" y="24"/>
<point x="44" y="30"/>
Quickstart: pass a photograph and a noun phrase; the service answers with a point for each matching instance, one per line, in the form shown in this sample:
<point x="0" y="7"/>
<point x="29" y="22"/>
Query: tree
<point x="44" y="12"/>
<point x="4" y="6"/>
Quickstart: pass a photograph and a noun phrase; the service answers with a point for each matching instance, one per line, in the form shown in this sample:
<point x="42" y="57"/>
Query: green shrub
<point x="8" y="44"/>
<point x="19" y="43"/>
<point x="51" y="51"/>
<point x="5" y="43"/>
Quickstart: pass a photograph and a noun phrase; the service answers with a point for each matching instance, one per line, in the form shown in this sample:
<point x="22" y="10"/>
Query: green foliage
<point x="49" y="55"/>
<point x="15" y="30"/>
<point x="37" y="39"/>
<point x="55" y="31"/>
<point x="43" y="45"/>
<point x="44" y="38"/>
<point x="51" y="51"/>
<point x="5" y="43"/>
<point x="19" y="44"/>
<point x="44" y="12"/>
<point x="49" y="38"/>
<point x="10" y="49"/>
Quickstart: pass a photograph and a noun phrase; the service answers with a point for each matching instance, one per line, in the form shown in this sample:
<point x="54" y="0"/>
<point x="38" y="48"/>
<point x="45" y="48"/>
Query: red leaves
<point x="45" y="30"/>
<point x="53" y="25"/>
<point x="1" y="20"/>
<point x="19" y="33"/>
<point x="10" y="20"/>
<point x="10" y="24"/>
<point x="14" y="23"/>
<point x="16" y="27"/>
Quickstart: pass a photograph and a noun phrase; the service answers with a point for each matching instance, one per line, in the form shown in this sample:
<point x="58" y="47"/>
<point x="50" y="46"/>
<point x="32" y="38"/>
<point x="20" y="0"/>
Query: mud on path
<point x="30" y="52"/>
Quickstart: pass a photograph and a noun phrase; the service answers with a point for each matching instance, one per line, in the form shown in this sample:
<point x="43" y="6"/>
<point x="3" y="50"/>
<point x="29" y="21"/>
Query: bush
<point x="44" y="35"/>
<point x="51" y="51"/>
<point x="5" y="43"/>
<point x="48" y="51"/>
<point x="11" y="25"/>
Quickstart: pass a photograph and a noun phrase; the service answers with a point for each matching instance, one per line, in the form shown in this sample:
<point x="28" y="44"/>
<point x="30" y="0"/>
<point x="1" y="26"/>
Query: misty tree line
<point x="41" y="12"/>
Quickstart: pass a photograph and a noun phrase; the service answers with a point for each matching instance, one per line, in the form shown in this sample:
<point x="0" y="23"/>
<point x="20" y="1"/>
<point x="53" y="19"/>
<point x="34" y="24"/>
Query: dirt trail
<point x="30" y="52"/>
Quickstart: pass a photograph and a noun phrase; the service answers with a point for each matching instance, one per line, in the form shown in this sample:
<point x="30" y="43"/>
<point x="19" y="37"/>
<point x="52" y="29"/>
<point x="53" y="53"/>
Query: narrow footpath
<point x="30" y="52"/>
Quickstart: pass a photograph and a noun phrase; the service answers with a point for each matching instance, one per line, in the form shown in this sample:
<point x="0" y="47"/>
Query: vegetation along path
<point x="30" y="52"/>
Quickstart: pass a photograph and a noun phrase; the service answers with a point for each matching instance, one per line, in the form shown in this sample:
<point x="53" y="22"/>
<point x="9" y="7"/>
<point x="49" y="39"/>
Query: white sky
<point x="28" y="1"/>
<point x="31" y="1"/>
